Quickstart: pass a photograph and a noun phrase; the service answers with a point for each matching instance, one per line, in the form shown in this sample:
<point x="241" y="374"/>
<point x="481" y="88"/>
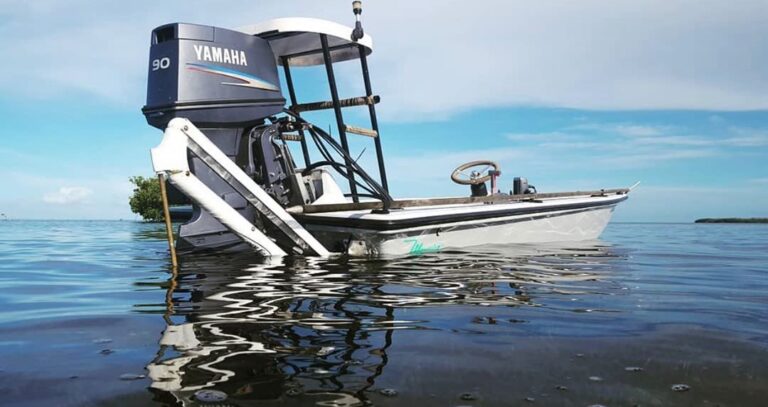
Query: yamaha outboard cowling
<point x="226" y="83"/>
<point x="211" y="76"/>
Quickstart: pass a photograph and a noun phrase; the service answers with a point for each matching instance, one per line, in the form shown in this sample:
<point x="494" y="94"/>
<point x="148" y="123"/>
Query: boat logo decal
<point x="417" y="247"/>
<point x="221" y="55"/>
<point x="248" y="80"/>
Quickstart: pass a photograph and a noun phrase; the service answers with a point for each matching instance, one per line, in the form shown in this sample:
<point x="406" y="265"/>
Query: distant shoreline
<point x="732" y="220"/>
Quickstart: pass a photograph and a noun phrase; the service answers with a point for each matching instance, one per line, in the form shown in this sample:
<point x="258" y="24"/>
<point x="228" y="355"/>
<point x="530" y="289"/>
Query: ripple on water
<point x="497" y="323"/>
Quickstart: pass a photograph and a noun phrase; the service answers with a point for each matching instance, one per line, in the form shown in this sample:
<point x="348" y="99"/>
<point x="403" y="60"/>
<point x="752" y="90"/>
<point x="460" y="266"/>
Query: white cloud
<point x="678" y="141"/>
<point x="547" y="136"/>
<point x="68" y="195"/>
<point x="586" y="54"/>
<point x="573" y="149"/>
<point x="434" y="59"/>
<point x="433" y="168"/>
<point x="629" y="145"/>
<point x="626" y="129"/>
<point x="104" y="197"/>
<point x="652" y="158"/>
<point x="746" y="137"/>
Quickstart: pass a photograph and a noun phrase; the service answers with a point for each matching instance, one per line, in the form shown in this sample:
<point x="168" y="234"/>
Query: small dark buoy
<point x="561" y="388"/>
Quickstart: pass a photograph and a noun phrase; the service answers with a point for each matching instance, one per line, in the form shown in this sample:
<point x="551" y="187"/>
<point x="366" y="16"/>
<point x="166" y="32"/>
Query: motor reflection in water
<point x="310" y="331"/>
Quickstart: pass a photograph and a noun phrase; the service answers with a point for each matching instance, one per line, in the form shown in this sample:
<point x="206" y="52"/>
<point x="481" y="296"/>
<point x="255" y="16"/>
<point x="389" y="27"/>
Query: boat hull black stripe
<point x="396" y="224"/>
<point x="451" y="227"/>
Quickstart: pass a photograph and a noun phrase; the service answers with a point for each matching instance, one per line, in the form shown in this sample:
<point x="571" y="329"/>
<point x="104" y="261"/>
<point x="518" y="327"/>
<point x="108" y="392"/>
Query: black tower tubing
<point x="292" y="94"/>
<point x="339" y="117"/>
<point x="374" y="121"/>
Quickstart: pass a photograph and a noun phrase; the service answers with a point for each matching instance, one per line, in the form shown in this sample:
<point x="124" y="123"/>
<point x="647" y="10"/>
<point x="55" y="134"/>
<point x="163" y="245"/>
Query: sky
<point x="571" y="95"/>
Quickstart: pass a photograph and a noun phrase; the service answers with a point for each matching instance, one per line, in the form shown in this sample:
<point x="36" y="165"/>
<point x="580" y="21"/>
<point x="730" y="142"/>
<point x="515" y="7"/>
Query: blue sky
<point x="572" y="95"/>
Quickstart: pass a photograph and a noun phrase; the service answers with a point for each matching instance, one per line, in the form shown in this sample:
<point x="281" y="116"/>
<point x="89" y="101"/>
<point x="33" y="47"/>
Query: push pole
<point x="167" y="216"/>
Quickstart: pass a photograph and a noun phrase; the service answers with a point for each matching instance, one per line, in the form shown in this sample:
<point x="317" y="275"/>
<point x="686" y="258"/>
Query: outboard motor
<point x="226" y="83"/>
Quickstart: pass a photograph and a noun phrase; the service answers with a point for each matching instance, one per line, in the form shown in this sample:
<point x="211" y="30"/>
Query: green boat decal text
<point x="417" y="247"/>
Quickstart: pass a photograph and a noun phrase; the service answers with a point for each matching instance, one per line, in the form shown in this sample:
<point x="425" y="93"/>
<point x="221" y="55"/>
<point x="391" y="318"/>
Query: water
<point x="92" y="316"/>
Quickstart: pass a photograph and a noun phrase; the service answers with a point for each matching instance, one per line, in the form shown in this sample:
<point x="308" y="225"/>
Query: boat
<point x="230" y="137"/>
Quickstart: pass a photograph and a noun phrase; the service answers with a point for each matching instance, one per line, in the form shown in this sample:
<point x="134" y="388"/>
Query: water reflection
<point x="309" y="331"/>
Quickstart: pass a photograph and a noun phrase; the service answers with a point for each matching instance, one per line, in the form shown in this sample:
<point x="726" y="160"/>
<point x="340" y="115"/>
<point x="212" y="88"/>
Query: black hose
<point x="321" y="140"/>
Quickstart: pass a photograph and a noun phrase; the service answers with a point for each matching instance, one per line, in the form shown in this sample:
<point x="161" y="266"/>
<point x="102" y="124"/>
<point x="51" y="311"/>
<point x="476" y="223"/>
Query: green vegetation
<point x="732" y="220"/>
<point x="146" y="200"/>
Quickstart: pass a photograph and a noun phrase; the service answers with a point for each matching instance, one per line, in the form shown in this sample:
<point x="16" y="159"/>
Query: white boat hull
<point x="584" y="225"/>
<point x="528" y="228"/>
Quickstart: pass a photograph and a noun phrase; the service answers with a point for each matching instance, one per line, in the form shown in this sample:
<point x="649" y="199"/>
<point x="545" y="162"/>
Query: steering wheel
<point x="462" y="175"/>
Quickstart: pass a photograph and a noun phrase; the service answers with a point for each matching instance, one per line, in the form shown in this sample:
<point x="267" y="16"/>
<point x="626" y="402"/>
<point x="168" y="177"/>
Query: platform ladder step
<point x="356" y="101"/>
<point x="361" y="131"/>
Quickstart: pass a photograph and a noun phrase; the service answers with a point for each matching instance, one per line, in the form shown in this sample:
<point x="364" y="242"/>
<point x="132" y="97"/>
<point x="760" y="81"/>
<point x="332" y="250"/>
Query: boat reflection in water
<point x="317" y="331"/>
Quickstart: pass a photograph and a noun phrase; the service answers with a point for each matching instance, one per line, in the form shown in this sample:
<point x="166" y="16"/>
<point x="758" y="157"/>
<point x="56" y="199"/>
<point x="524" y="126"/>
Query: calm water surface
<point x="91" y="315"/>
